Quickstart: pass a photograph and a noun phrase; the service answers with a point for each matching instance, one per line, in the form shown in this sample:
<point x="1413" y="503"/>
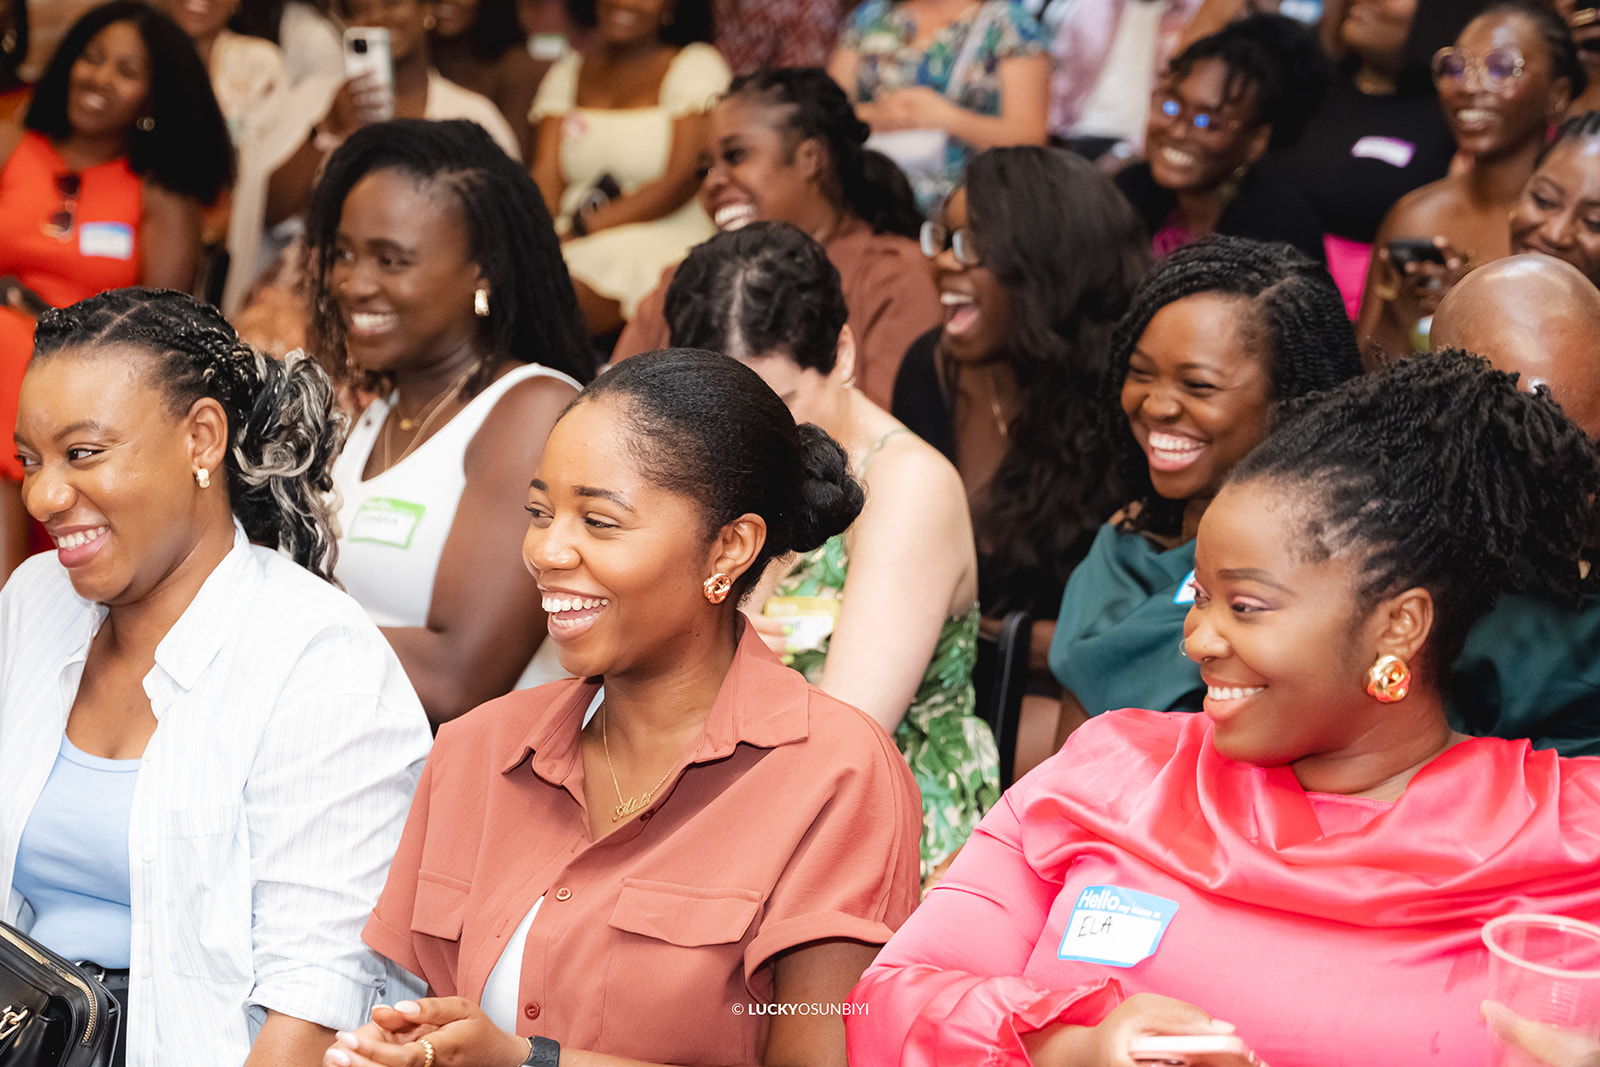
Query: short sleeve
<point x="697" y="76"/>
<point x="1021" y="35"/>
<point x="855" y="873"/>
<point x="558" y="91"/>
<point x="860" y="23"/>
<point x="388" y="930"/>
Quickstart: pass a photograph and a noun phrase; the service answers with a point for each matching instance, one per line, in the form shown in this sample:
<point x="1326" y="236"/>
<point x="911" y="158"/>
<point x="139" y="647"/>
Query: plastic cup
<point x="1545" y="968"/>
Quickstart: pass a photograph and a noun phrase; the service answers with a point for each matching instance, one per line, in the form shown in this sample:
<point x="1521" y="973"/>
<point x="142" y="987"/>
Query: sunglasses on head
<point x="1494" y="70"/>
<point x="60" y="223"/>
<point x="936" y="238"/>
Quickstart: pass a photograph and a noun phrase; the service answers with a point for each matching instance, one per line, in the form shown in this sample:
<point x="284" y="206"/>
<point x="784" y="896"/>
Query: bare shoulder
<point x="528" y="410"/>
<point x="1427" y="210"/>
<point x="911" y="476"/>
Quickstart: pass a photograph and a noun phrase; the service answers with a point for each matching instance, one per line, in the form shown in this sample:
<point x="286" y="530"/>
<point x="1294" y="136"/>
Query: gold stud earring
<point x="480" y="302"/>
<point x="202" y="476"/>
<point x="1389" y="680"/>
<point x="717" y="586"/>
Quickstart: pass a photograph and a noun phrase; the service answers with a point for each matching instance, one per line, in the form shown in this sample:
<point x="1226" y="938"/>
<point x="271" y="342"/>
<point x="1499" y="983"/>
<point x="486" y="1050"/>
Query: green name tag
<point x="382" y="521"/>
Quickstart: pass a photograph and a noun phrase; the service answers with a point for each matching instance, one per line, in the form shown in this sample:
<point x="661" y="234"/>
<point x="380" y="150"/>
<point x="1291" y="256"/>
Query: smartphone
<point x="1193" y="1050"/>
<point x="366" y="51"/>
<point x="1414" y="250"/>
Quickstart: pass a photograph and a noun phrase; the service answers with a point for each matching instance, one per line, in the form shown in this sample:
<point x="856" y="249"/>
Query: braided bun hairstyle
<point x="1294" y="317"/>
<point x="283" y="427"/>
<point x="764" y="288"/>
<point x="707" y="427"/>
<point x="817" y="109"/>
<point x="1446" y="477"/>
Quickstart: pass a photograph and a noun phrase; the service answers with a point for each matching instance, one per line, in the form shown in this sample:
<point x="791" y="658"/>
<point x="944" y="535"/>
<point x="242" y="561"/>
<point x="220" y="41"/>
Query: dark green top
<point x="1116" y="642"/>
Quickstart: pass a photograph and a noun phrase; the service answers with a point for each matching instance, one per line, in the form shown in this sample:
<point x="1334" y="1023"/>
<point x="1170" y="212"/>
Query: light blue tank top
<point x="72" y="863"/>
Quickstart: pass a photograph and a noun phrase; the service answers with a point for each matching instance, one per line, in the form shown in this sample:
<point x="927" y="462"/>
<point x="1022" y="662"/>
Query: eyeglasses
<point x="1166" y="109"/>
<point x="936" y="238"/>
<point x="59" y="224"/>
<point x="1494" y="70"/>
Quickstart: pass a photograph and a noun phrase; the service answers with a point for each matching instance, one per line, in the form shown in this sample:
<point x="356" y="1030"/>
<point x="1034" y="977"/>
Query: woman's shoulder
<point x="696" y="75"/>
<point x="1017" y="19"/>
<point x="524" y="402"/>
<point x="1428" y="209"/>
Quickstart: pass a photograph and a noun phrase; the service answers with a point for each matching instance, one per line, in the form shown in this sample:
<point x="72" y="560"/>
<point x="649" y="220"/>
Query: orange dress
<point x="99" y="251"/>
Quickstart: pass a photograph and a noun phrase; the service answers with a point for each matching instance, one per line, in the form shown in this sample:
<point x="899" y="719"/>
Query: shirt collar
<point x="212" y="617"/>
<point x="761" y="703"/>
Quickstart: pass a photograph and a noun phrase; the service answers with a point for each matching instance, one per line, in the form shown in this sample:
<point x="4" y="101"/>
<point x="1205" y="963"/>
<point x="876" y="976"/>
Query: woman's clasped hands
<point x="457" y="1030"/>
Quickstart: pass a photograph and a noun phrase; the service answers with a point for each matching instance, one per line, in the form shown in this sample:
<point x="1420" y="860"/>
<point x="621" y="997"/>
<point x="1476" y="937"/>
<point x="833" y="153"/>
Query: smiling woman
<point x="765" y="842"/>
<point x="170" y="463"/>
<point x="438" y="285"/>
<point x="1321" y="805"/>
<point x="1217" y="335"/>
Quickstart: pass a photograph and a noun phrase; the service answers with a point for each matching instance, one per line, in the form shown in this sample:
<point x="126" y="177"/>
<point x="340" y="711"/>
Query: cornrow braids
<point x="1277" y="57"/>
<point x="284" y="429"/>
<point x="1068" y="250"/>
<point x="817" y="109"/>
<point x="533" y="310"/>
<point x="1584" y="127"/>
<point x="1447" y="477"/>
<point x="761" y="289"/>
<point x="1295" y="319"/>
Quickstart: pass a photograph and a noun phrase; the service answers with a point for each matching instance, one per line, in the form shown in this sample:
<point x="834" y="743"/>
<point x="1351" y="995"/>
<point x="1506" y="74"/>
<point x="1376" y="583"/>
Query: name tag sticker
<point x="382" y="521"/>
<point x="1391" y="150"/>
<point x="1185" y="593"/>
<point x="1115" y="926"/>
<point x="105" y="240"/>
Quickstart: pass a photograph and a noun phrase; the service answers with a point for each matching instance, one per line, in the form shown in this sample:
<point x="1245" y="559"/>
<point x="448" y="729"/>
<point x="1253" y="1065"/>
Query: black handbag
<point x="51" y="1013"/>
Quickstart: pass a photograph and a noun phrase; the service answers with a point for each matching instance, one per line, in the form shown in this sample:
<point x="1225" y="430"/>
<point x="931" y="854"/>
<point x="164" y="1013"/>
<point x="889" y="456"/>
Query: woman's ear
<point x="206" y="426"/>
<point x="811" y="158"/>
<point x="844" y="358"/>
<point x="737" y="545"/>
<point x="1260" y="141"/>
<point x="1404" y="622"/>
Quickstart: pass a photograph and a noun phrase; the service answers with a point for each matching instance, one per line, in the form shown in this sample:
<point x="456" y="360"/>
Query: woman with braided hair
<point x="1216" y="336"/>
<point x="786" y="146"/>
<point x="206" y="748"/>
<point x="438" y="284"/>
<point x="1321" y="819"/>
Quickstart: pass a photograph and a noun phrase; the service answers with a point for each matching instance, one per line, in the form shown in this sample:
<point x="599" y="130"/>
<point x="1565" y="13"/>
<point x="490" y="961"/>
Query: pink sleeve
<point x="948" y="988"/>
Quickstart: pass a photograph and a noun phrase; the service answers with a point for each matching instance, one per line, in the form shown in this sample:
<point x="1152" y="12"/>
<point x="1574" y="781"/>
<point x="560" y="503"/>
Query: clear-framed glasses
<point x="1495" y="70"/>
<point x="936" y="238"/>
<point x="59" y="224"/>
<point x="1167" y="109"/>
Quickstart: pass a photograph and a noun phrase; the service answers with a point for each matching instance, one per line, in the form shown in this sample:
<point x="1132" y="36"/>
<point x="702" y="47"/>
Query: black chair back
<point x="1000" y="679"/>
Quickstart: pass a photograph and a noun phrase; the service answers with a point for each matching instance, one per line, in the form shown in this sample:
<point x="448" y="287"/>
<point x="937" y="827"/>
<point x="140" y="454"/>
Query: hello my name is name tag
<point x="1115" y="926"/>
<point x="383" y="521"/>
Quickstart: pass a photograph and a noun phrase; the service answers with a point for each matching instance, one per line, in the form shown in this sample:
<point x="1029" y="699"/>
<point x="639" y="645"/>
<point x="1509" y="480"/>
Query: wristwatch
<point x="542" y="1052"/>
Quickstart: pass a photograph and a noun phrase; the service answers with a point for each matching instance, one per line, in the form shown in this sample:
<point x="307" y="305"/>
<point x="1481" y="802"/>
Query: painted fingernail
<point x="347" y="1039"/>
<point x="339" y="1057"/>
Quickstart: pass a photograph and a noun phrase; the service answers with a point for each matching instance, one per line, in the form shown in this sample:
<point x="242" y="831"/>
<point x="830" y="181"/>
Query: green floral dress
<point x="951" y="751"/>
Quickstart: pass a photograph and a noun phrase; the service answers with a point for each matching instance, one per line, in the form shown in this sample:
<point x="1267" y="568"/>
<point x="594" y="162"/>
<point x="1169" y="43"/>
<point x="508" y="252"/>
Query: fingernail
<point x="1226" y="1026"/>
<point x="347" y="1039"/>
<point x="408" y="1007"/>
<point x="788" y="628"/>
<point x="339" y="1057"/>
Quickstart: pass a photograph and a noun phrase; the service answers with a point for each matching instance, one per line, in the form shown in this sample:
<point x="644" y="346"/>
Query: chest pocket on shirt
<point x="208" y="913"/>
<point x="441" y="907"/>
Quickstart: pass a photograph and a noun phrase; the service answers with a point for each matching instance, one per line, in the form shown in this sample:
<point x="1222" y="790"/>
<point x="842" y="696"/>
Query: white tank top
<point x="393" y="526"/>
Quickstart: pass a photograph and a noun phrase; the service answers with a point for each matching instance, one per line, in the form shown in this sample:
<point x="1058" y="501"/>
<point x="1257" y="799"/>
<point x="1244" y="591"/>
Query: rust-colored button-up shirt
<point x="796" y="819"/>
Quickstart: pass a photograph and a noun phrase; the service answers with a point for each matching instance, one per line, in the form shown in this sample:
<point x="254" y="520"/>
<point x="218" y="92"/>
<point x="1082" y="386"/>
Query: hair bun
<point x="830" y="498"/>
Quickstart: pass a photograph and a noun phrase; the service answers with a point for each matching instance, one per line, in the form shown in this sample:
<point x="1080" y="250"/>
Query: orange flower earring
<point x="1389" y="680"/>
<point x="717" y="587"/>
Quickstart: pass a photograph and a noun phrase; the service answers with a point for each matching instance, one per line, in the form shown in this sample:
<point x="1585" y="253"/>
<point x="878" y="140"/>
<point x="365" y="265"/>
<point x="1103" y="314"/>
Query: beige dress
<point x="632" y="145"/>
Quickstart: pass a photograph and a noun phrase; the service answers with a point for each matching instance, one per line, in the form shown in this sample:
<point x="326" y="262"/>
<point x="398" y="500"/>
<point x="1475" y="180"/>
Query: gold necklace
<point x="436" y="405"/>
<point x="628" y="806"/>
<point x="994" y="405"/>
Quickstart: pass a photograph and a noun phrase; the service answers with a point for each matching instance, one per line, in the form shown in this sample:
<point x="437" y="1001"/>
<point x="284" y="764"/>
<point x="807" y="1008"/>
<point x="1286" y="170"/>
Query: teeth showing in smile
<point x="92" y="101"/>
<point x="955" y="299"/>
<point x="370" y="322"/>
<point x="1469" y="115"/>
<point x="1178" y="157"/>
<point x="734" y="217"/>
<point x="1232" y="692"/>
<point x="79" y="539"/>
<point x="1173" y="444"/>
<point x="553" y="604"/>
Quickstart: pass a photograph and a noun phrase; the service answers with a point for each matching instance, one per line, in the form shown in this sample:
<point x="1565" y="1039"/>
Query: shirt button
<point x="146" y="971"/>
<point x="531" y="1010"/>
<point x="563" y="894"/>
<point x="646" y="816"/>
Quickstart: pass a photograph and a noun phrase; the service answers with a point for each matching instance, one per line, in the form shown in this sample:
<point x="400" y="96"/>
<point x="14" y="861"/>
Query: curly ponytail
<point x="1447" y="477"/>
<point x="283" y="427"/>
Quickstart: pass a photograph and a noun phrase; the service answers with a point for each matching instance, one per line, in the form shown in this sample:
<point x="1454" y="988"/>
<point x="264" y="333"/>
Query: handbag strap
<point x="969" y="49"/>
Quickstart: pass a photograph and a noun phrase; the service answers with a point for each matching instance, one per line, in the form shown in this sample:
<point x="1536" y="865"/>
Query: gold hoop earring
<point x="146" y="123"/>
<point x="1389" y="680"/>
<point x="480" y="302"/>
<point x="717" y="586"/>
<point x="202" y="476"/>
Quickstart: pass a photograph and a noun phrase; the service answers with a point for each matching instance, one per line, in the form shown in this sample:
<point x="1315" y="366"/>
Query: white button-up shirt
<point x="269" y="803"/>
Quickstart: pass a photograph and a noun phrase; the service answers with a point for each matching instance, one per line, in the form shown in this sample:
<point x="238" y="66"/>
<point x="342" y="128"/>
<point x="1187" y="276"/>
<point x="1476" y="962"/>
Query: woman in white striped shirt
<point x="207" y="750"/>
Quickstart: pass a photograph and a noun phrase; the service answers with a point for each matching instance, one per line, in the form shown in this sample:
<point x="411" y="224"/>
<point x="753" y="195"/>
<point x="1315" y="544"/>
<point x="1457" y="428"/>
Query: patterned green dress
<point x="951" y="752"/>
